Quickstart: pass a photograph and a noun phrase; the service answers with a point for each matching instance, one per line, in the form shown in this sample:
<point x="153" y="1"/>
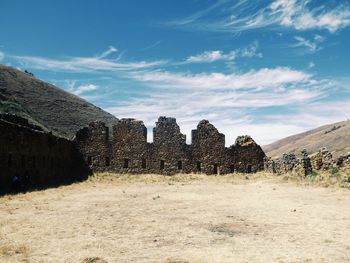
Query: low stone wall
<point x="129" y="152"/>
<point x="39" y="157"/>
<point x="343" y="160"/>
<point x="323" y="160"/>
<point x="290" y="163"/>
<point x="304" y="165"/>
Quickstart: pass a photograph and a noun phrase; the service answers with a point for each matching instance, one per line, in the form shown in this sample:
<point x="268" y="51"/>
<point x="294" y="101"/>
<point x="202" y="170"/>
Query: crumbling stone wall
<point x="129" y="147"/>
<point x="170" y="152"/>
<point x="246" y="156"/>
<point x="208" y="148"/>
<point x="304" y="165"/>
<point x="130" y="152"/>
<point x="93" y="143"/>
<point x="343" y="160"/>
<point x="287" y="163"/>
<point x="290" y="163"/>
<point x="323" y="159"/>
<point x="42" y="157"/>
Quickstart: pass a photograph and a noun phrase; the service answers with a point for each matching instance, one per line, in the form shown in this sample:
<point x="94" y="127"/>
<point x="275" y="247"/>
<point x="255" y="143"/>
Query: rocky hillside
<point x="336" y="137"/>
<point x="45" y="105"/>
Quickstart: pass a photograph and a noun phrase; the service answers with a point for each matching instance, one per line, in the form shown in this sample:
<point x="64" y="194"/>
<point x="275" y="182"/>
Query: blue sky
<point x="264" y="68"/>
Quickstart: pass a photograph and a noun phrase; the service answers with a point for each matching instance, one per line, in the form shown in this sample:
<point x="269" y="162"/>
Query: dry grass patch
<point x="115" y="179"/>
<point x="181" y="218"/>
<point x="332" y="178"/>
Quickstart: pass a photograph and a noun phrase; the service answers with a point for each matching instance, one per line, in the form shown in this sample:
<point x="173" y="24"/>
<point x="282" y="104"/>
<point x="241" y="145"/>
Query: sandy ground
<point x="207" y="219"/>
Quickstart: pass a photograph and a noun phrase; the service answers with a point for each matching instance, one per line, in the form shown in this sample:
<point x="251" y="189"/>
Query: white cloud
<point x="228" y="101"/>
<point x="207" y="56"/>
<point x="303" y="42"/>
<point x="217" y="55"/>
<point x="236" y="16"/>
<point x="249" y="51"/>
<point x="263" y="78"/>
<point x="2" y="55"/>
<point x="84" y="64"/>
<point x="295" y="13"/>
<point x="312" y="45"/>
<point x="233" y="114"/>
<point x="84" y="88"/>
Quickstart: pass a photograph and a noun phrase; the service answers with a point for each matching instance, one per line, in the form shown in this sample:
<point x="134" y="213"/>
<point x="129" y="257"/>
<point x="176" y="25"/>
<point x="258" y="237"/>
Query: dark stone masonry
<point x="290" y="163"/>
<point x="36" y="158"/>
<point x="128" y="151"/>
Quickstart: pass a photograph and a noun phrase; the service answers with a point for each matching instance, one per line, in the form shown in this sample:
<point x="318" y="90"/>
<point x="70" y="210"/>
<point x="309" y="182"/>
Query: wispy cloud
<point x="227" y="100"/>
<point x="233" y="112"/>
<point x="263" y="78"/>
<point x="302" y="42"/>
<point x="84" y="64"/>
<point x="108" y="52"/>
<point x="237" y="16"/>
<point x="294" y="13"/>
<point x="84" y="88"/>
<point x="209" y="56"/>
<point x="249" y="51"/>
<point x="2" y="56"/>
<point x="312" y="45"/>
<point x="219" y="55"/>
<point x="155" y="44"/>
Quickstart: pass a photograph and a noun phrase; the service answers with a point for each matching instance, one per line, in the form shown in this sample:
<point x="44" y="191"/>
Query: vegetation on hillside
<point x="336" y="137"/>
<point x="45" y="105"/>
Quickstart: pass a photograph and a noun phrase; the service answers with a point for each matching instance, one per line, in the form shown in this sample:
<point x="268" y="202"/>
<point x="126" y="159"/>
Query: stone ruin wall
<point x="129" y="146"/>
<point x="208" y="149"/>
<point x="94" y="141"/>
<point x="44" y="158"/>
<point x="304" y="165"/>
<point x="169" y="153"/>
<point x="244" y="149"/>
<point x="25" y="149"/>
<point x="129" y="152"/>
<point x="324" y="160"/>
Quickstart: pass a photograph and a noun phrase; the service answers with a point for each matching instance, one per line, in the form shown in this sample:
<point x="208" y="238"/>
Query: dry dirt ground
<point x="152" y="218"/>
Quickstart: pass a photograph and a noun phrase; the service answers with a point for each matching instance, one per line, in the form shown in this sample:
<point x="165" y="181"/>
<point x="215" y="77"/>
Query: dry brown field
<point x="183" y="218"/>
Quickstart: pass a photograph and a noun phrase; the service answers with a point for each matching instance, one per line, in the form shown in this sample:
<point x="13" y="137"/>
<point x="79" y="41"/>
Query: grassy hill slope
<point x="45" y="105"/>
<point x="336" y="137"/>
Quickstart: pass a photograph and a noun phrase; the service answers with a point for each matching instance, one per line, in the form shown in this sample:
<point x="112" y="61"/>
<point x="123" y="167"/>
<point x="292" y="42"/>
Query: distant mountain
<point x="336" y="137"/>
<point x="45" y="105"/>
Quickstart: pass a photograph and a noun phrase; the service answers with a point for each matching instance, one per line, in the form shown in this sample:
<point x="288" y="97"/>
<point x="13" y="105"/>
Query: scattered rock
<point x="94" y="260"/>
